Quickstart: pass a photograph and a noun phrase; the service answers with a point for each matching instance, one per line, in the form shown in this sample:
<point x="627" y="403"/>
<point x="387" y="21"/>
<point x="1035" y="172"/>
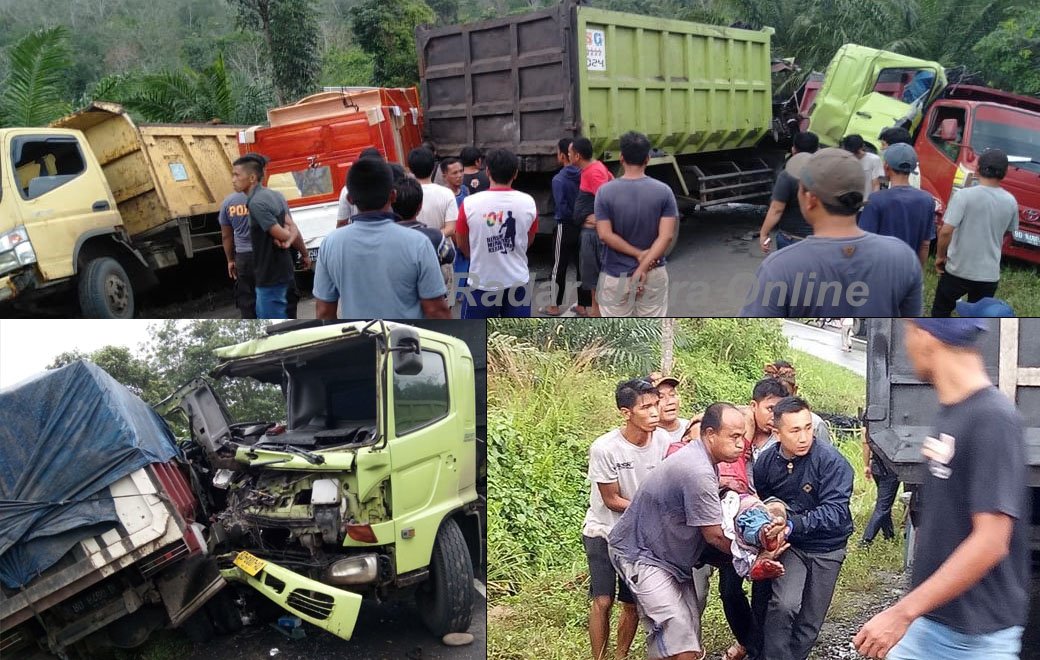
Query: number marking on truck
<point x="595" y="50"/>
<point x="249" y="563"/>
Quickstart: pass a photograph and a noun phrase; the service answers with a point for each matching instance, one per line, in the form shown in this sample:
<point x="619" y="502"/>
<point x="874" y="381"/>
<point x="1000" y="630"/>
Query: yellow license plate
<point x="249" y="563"/>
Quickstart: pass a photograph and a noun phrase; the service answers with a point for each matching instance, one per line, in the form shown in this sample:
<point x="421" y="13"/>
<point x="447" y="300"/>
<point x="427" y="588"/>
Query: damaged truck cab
<point x="369" y="488"/>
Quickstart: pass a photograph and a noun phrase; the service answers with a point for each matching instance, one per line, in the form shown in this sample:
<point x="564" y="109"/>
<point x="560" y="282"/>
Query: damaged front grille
<point x="312" y="603"/>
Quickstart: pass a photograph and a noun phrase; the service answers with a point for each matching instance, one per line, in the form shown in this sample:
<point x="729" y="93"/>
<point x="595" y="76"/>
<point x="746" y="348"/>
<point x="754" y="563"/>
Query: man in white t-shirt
<point x="439" y="208"/>
<point x="873" y="169"/>
<point x="618" y="462"/>
<point x="495" y="228"/>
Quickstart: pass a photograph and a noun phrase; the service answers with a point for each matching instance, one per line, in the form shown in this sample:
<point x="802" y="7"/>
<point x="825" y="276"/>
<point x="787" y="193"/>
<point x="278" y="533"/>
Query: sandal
<point x="735" y="652"/>
<point x="583" y="314"/>
<point x="545" y="311"/>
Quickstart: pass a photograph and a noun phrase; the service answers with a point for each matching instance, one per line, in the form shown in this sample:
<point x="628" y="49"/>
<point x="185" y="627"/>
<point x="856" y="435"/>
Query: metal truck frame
<point x="371" y="488"/>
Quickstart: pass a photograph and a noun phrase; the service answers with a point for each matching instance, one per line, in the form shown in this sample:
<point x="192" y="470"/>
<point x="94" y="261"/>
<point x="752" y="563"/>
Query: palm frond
<point x="33" y="90"/>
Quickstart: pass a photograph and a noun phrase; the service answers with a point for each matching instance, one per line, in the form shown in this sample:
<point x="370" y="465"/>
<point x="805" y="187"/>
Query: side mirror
<point x="948" y="130"/>
<point x="404" y="344"/>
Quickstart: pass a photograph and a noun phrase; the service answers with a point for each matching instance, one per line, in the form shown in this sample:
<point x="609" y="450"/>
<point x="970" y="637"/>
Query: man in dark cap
<point x="968" y="255"/>
<point x="971" y="566"/>
<point x="840" y="270"/>
<point x="901" y="210"/>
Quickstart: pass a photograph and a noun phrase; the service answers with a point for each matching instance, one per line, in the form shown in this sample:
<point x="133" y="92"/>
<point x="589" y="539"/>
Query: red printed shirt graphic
<point x="499" y="225"/>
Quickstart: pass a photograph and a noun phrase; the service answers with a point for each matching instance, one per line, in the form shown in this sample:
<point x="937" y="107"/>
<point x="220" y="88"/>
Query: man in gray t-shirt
<point x="840" y="270"/>
<point x="972" y="235"/>
<point x="674" y="516"/>
<point x="636" y="218"/>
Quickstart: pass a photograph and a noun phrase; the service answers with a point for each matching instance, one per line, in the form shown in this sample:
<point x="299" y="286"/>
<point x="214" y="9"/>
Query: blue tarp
<point x="65" y="436"/>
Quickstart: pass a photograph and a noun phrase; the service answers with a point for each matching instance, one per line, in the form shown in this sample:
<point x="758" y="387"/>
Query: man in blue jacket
<point x="815" y="482"/>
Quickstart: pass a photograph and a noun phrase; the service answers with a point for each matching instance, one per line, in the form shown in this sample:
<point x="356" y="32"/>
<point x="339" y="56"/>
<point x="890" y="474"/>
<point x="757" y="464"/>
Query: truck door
<point x="425" y="427"/>
<point x="937" y="155"/>
<point x="62" y="196"/>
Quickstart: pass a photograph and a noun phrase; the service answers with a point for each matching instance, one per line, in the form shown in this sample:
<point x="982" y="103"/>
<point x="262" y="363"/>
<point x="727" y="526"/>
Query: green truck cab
<point x="369" y="489"/>
<point x="866" y="90"/>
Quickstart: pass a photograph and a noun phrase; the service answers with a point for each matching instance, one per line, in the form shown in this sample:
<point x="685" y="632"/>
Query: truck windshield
<point x="1015" y="132"/>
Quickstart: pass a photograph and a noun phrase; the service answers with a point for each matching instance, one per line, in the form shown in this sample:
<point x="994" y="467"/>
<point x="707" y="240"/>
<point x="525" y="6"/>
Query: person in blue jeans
<point x="270" y="235"/>
<point x="970" y="596"/>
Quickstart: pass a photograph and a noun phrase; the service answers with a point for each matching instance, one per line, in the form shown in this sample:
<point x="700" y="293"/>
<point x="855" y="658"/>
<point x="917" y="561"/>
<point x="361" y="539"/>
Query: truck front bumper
<point x="332" y="609"/>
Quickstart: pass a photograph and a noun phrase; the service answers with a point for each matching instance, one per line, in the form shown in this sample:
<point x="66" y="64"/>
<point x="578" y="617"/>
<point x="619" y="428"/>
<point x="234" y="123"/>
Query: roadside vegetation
<point x="227" y="61"/>
<point x="1018" y="286"/>
<point x="550" y="394"/>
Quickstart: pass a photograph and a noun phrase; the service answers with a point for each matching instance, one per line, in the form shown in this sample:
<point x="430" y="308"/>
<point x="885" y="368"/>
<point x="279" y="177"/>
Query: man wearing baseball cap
<point x="968" y="254"/>
<point x="901" y="210"/>
<point x="970" y="595"/>
<point x="840" y="270"/>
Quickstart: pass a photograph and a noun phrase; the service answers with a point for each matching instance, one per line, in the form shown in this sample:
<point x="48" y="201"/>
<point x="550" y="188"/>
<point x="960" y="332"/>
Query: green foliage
<point x="1009" y="56"/>
<point x="179" y="351"/>
<point x="121" y="364"/>
<point x="187" y="96"/>
<point x="385" y="29"/>
<point x="551" y="393"/>
<point x="32" y="93"/>
<point x="290" y="32"/>
<point x="346" y="68"/>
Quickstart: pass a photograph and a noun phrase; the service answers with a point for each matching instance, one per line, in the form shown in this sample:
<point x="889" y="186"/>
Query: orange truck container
<point x="311" y="145"/>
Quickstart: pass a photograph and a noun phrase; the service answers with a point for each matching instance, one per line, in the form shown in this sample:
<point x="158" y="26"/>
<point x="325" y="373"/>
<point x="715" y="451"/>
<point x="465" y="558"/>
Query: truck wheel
<point x="445" y="600"/>
<point x="105" y="291"/>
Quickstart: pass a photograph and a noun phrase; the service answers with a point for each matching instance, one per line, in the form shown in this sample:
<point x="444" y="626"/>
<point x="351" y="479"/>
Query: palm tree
<point x="186" y="96"/>
<point x="667" y="345"/>
<point x="32" y="93"/>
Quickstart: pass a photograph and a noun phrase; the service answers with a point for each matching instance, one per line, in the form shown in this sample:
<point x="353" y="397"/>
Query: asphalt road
<point x="826" y="345"/>
<point x="710" y="270"/>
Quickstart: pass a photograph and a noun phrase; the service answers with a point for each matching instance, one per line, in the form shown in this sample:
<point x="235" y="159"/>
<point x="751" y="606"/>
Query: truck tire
<point x="105" y="291"/>
<point x="445" y="601"/>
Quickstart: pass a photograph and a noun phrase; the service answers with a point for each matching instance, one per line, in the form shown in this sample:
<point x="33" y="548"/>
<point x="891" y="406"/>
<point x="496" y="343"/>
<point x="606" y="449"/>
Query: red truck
<point x="312" y="144"/>
<point x="866" y="90"/>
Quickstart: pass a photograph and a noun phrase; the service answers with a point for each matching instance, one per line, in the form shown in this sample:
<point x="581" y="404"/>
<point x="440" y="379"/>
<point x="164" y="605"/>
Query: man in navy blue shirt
<point x="568" y="235"/>
<point x="815" y="482"/>
<point x="902" y="210"/>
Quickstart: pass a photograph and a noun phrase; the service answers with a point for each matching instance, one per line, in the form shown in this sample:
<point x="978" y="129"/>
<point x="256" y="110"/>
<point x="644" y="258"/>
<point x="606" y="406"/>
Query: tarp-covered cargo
<point x="65" y="436"/>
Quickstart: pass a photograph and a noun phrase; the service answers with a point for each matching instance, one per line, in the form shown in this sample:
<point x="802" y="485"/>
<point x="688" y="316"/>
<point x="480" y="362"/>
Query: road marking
<point x="481" y="589"/>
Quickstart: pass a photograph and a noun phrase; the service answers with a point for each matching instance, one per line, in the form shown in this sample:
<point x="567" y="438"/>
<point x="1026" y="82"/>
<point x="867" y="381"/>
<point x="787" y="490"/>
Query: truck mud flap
<point x="332" y="609"/>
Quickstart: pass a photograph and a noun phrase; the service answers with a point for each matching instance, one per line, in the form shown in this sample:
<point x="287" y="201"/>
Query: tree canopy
<point x="229" y="60"/>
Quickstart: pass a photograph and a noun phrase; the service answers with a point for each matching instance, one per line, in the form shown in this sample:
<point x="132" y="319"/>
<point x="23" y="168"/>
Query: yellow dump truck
<point x="99" y="203"/>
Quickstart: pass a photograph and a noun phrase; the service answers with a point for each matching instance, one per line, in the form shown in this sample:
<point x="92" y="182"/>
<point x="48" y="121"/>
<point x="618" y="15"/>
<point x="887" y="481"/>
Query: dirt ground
<point x="835" y="643"/>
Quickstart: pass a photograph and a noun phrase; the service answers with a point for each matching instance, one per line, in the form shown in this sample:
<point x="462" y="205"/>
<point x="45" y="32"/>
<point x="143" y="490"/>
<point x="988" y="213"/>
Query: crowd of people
<point x="847" y="233"/>
<point x="759" y="492"/>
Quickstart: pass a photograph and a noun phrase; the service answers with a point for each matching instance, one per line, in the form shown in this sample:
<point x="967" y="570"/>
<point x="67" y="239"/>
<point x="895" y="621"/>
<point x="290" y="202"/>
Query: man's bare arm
<point x="605" y="230"/>
<point x="435" y="308"/>
<point x="611" y="494"/>
<point x="325" y="310"/>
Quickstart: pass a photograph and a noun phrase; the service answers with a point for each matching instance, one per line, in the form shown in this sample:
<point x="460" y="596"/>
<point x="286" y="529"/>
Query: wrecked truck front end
<point x="311" y="513"/>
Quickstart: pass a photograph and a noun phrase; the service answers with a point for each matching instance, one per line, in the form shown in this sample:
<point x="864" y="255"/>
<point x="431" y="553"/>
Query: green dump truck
<point x="371" y="487"/>
<point x="702" y="93"/>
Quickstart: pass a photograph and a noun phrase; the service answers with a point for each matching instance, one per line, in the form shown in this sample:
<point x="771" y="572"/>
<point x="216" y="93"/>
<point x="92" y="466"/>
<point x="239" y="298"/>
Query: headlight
<point x="25" y="253"/>
<point x="12" y="238"/>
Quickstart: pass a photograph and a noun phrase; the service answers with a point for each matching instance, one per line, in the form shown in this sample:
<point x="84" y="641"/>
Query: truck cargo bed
<point x="523" y="82"/>
<point x="901" y="409"/>
<point x="158" y="172"/>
